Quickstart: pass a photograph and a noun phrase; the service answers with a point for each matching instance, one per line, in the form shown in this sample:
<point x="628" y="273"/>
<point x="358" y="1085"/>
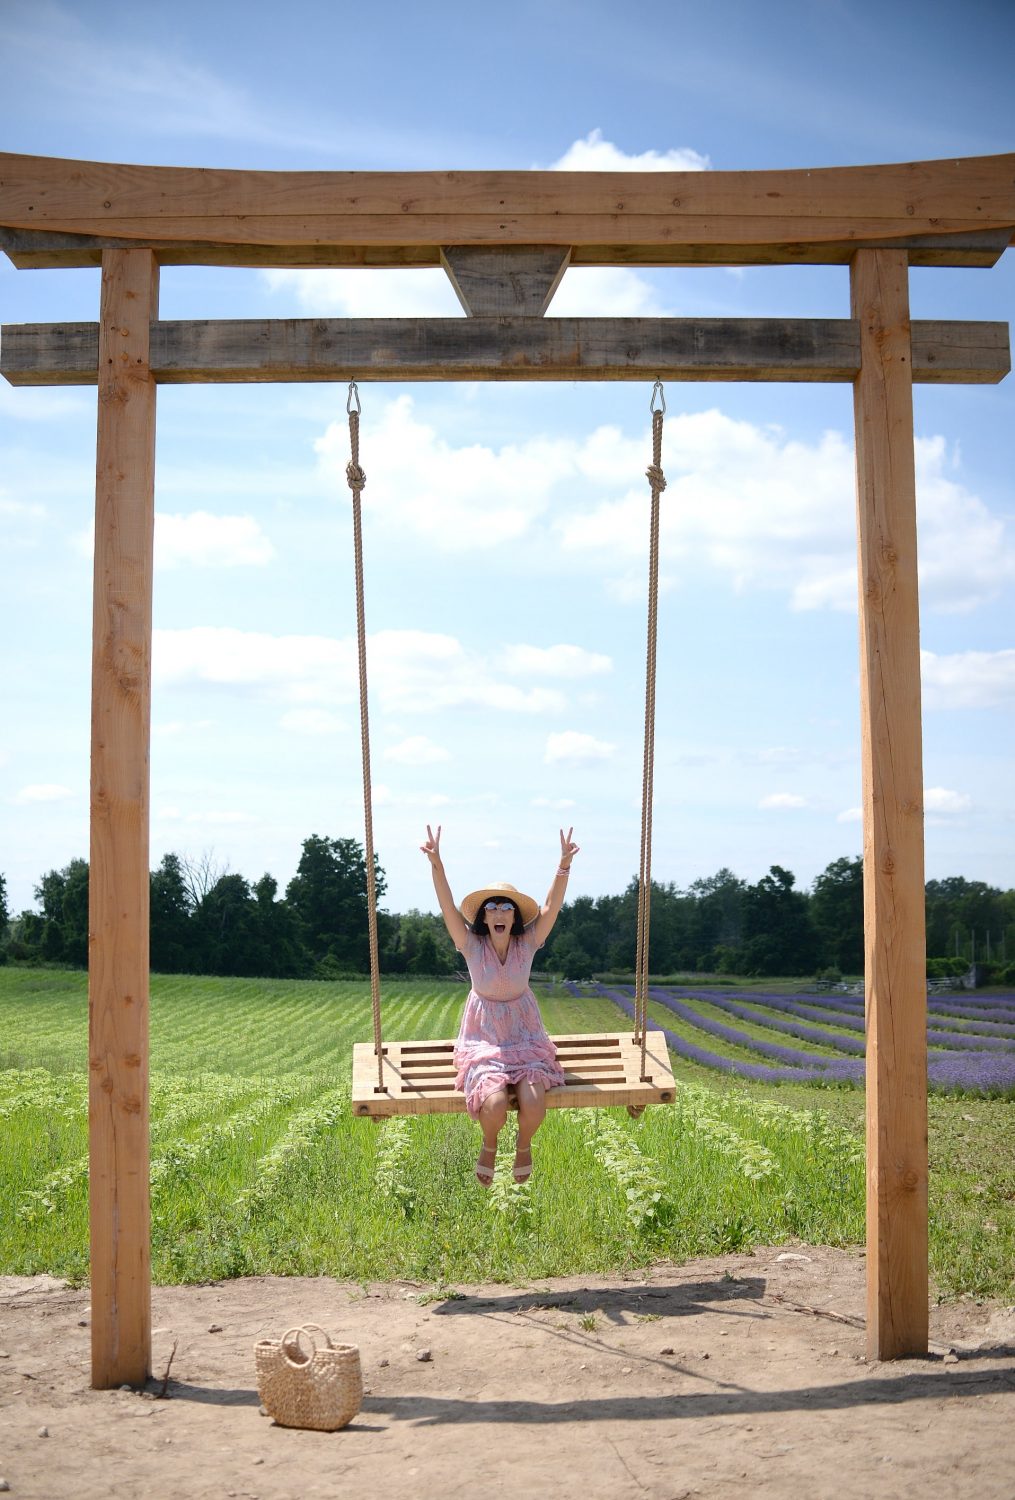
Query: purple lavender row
<point x="843" y="1070"/>
<point x="973" y="1009"/>
<point x="976" y="1072"/>
<point x="806" y="1032"/>
<point x="788" y="1056"/>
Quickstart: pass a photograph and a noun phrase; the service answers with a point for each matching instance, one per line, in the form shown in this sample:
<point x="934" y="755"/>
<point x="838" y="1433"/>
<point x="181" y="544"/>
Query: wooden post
<point x="118" y="875"/>
<point x="894" y="922"/>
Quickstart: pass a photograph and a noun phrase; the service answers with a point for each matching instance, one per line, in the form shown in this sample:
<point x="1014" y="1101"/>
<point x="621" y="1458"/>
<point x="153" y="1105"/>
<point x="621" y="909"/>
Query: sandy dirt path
<point x="741" y="1376"/>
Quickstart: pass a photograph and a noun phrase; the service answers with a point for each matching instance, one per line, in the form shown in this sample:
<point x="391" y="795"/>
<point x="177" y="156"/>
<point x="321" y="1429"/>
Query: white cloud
<point x="20" y="510"/>
<point x="206" y="541"/>
<point x="418" y="484"/>
<point x="606" y="292"/>
<point x="411" y="671"/>
<point x="200" y="540"/>
<point x="939" y="799"/>
<point x="394" y="293"/>
<point x="782" y="800"/>
<point x="769" y="511"/>
<point x="553" y="661"/>
<point x="173" y="727"/>
<point x="311" y="721"/>
<point x="593" y="154"/>
<point x="47" y="791"/>
<point x="850" y="815"/>
<point x="417" y="750"/>
<point x="968" y="679"/>
<point x="576" y="748"/>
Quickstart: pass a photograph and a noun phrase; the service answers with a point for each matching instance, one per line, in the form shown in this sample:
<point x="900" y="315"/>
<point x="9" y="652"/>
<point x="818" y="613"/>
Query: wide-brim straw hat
<point x="525" y="904"/>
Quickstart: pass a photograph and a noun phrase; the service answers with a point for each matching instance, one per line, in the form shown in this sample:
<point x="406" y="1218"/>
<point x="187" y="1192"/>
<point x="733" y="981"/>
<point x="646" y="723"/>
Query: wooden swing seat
<point x="600" y="1068"/>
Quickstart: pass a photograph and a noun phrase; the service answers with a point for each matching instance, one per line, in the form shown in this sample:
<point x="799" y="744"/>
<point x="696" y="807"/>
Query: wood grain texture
<point x="505" y="281"/>
<point x="118" y="872"/>
<point x="40" y="249"/>
<point x="781" y="208"/>
<point x="601" y="1069"/>
<point x="405" y="349"/>
<point x="892" y="774"/>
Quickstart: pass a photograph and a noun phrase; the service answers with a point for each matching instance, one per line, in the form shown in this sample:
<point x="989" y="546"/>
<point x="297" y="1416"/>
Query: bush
<point x="946" y="968"/>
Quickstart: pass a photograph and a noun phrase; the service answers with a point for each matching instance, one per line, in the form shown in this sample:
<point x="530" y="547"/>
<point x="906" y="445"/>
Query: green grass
<point x="258" y="1165"/>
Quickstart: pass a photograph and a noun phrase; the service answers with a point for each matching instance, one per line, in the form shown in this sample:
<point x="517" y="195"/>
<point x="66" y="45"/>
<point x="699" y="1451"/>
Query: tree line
<point x="206" y="920"/>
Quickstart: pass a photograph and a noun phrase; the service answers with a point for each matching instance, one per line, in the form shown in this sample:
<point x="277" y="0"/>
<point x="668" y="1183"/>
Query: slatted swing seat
<point x="629" y="1069"/>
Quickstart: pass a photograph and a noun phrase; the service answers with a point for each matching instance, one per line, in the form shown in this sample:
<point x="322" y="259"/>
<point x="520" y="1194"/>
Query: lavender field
<point x="818" y="1038"/>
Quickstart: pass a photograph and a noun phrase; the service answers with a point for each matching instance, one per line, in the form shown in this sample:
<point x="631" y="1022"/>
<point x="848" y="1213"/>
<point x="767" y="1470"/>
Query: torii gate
<point x="505" y="239"/>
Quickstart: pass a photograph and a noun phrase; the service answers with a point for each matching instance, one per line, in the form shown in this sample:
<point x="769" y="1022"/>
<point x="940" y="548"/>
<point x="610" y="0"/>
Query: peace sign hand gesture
<point x="432" y="847"/>
<point x="568" y="849"/>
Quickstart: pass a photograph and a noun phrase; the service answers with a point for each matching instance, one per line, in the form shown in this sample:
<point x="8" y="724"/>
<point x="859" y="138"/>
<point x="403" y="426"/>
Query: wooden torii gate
<point x="505" y="239"/>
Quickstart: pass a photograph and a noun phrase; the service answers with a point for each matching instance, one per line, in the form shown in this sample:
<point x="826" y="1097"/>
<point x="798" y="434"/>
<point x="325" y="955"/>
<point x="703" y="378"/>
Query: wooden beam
<point x="779" y="209"/>
<point x="411" y="349"/>
<point x="118" y="872"/>
<point x="35" y="249"/>
<point x="505" y="281"/>
<point x="892" y="769"/>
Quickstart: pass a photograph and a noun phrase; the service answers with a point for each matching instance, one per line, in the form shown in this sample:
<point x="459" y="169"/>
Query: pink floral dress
<point x="502" y="1038"/>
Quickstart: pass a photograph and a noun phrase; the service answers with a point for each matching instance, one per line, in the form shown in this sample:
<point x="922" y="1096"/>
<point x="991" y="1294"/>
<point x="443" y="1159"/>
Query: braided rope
<point x="356" y="480"/>
<point x="657" y="483"/>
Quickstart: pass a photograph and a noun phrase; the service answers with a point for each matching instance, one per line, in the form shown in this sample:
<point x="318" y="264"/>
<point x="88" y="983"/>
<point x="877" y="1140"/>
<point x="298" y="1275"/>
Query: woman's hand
<point x="432" y="847"/>
<point x="568" y="849"/>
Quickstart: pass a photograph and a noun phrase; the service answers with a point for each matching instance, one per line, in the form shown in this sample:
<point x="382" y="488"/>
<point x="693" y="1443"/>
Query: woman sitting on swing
<point x="502" y="1045"/>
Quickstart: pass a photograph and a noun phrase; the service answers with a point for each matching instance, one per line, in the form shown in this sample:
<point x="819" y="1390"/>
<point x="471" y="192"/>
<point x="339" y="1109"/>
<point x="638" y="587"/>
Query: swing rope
<point x="657" y="483"/>
<point x="356" y="480"/>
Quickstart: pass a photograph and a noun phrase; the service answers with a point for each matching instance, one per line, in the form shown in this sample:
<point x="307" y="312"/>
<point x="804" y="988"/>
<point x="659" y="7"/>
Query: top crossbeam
<point x="58" y="212"/>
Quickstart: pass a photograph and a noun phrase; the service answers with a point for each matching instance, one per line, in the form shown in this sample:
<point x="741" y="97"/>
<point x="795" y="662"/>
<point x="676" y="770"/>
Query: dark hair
<point x="480" y="928"/>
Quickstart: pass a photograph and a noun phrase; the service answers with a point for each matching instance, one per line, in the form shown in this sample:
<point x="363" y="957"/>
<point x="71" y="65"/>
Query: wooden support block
<point x="505" y="281"/>
<point x="892" y="771"/>
<point x="118" y="871"/>
<point x="601" y="1070"/>
<point x="525" y="348"/>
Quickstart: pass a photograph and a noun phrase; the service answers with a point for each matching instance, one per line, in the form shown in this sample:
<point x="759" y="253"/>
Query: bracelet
<point x="561" y="870"/>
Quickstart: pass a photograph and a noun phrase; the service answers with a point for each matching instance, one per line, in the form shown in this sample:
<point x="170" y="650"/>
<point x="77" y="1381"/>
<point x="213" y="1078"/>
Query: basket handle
<point x="301" y="1364"/>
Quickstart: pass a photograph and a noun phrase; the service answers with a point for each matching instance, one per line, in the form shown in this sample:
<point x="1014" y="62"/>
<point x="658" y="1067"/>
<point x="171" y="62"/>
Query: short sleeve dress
<point x="502" y="1039"/>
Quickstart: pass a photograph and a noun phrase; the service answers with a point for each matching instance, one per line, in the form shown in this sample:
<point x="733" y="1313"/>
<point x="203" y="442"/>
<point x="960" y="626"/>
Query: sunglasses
<point x="499" y="906"/>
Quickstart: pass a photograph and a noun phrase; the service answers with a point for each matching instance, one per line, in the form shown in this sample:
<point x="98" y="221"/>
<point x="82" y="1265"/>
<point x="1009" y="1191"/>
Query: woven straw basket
<point x="323" y="1389"/>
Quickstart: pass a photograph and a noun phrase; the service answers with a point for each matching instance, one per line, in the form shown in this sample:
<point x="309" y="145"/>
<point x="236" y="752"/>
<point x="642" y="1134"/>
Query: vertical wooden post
<point x="118" y="875"/>
<point x="894" y="921"/>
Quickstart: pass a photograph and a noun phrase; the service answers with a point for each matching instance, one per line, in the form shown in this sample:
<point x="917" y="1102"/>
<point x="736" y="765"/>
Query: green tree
<point x="5" y="921"/>
<point x="837" y="910"/>
<point x="779" y="937"/>
<point x="328" y="895"/>
<point x="64" y="898"/>
<point x="225" y="924"/>
<point x="173" y="936"/>
<point x="280" y="949"/>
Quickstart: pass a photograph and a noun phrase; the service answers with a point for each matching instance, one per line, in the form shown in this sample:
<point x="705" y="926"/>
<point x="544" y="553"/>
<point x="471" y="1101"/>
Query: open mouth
<point x="500" y="927"/>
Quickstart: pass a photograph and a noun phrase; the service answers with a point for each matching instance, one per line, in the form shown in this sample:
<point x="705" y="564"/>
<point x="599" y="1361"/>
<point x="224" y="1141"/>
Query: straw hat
<point x="525" y="904"/>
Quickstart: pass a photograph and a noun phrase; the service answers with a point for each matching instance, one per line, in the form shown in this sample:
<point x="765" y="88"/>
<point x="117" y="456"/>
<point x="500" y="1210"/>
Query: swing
<point x="417" y="1078"/>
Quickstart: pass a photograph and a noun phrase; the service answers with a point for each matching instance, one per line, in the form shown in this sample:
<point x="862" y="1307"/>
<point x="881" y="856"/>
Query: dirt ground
<point x="737" y="1376"/>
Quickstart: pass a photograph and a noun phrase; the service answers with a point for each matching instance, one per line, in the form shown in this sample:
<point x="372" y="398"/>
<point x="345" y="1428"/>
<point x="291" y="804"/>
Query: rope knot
<point x="355" y="477"/>
<point x="656" y="478"/>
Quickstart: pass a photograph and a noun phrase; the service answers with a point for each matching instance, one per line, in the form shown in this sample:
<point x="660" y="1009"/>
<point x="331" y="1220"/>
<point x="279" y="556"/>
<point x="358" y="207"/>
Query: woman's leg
<point x="492" y="1118"/>
<point x="531" y="1114"/>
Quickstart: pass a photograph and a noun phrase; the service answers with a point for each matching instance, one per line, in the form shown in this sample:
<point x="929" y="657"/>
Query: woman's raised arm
<point x="558" y="889"/>
<point x="453" y="919"/>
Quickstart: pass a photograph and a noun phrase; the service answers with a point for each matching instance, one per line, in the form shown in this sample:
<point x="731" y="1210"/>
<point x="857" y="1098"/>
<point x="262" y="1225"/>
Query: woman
<point x="502" y="1043"/>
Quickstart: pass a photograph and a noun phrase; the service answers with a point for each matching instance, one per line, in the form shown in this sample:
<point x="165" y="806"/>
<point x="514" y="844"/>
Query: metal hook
<point x="353" y="396"/>
<point x="657" y="390"/>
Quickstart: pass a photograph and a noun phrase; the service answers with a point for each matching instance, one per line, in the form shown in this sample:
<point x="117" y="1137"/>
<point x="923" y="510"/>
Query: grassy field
<point x="258" y="1165"/>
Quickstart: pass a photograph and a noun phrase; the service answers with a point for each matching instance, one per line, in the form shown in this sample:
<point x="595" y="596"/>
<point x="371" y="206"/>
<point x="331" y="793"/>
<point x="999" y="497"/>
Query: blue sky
<point x="505" y="523"/>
